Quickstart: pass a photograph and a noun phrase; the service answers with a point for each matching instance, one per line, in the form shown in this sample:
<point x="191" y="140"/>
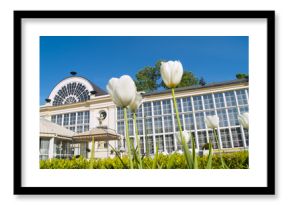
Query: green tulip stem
<point x="128" y="139"/>
<point x="219" y="147"/>
<point x="138" y="141"/>
<point x="177" y="113"/>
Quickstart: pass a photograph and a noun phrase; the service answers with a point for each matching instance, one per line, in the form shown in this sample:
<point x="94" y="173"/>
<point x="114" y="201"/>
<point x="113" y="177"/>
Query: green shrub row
<point x="236" y="160"/>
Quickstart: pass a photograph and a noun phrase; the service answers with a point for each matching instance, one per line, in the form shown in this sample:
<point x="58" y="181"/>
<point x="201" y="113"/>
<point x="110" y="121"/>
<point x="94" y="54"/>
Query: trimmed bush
<point x="236" y="160"/>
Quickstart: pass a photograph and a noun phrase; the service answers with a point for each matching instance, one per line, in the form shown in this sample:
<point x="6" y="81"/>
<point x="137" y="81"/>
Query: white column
<point x="50" y="149"/>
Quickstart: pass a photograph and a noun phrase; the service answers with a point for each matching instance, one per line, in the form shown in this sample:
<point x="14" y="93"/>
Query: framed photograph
<point x="144" y="102"/>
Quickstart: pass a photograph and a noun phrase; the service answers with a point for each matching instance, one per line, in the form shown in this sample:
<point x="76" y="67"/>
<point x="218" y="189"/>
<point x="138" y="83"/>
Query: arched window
<point x="71" y="93"/>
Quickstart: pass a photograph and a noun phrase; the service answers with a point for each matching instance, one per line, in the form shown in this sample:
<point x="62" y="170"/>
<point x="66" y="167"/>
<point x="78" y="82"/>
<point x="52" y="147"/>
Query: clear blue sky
<point x="99" y="58"/>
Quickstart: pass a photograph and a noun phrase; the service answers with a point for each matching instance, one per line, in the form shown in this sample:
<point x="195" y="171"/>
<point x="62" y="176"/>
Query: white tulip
<point x="122" y="90"/>
<point x="171" y="73"/>
<point x="179" y="152"/>
<point x="212" y="121"/>
<point x="136" y="102"/>
<point x="244" y="120"/>
<point x="185" y="135"/>
<point x="164" y="153"/>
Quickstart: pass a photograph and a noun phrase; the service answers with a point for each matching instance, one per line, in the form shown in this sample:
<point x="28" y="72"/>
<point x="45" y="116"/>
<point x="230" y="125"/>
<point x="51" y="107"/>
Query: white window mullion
<point x="163" y="127"/>
<point x="153" y="127"/>
<point x="242" y="130"/>
<point x="194" y="121"/>
<point x="144" y="131"/>
<point x="215" y="110"/>
<point x="229" y="123"/>
<point x="173" y="125"/>
<point x="247" y="95"/>
<point x="204" y="115"/>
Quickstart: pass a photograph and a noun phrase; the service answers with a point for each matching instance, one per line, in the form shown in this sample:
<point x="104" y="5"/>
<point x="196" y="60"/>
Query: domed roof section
<point x="72" y="90"/>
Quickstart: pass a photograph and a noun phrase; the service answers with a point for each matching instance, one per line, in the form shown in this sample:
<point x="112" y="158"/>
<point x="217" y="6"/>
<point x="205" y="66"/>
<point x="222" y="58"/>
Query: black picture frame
<point x="268" y="190"/>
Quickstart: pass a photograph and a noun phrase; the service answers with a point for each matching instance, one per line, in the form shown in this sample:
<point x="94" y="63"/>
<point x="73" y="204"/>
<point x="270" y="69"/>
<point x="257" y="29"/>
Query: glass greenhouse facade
<point x="156" y="119"/>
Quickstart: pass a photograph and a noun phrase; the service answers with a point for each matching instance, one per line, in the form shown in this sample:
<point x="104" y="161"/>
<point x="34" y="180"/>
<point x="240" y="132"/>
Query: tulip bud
<point x="122" y="90"/>
<point x="244" y="120"/>
<point x="185" y="136"/>
<point x="212" y="121"/>
<point x="171" y="73"/>
<point x="136" y="102"/>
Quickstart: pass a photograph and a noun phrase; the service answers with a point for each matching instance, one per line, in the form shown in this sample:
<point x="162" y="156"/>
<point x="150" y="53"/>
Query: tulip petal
<point x="176" y="73"/>
<point x="111" y="87"/>
<point x="165" y="74"/>
<point x="125" y="90"/>
<point x="212" y="121"/>
<point x="136" y="102"/>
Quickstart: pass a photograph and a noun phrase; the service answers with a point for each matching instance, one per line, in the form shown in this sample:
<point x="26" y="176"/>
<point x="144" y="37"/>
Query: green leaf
<point x="195" y="162"/>
<point x="209" y="158"/>
<point x="154" y="165"/>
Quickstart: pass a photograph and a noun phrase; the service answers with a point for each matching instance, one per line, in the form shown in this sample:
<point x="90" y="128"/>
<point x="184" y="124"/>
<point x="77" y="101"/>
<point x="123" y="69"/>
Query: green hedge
<point x="236" y="160"/>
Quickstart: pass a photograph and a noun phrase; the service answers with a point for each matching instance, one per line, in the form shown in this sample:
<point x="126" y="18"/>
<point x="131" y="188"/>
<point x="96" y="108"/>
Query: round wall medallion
<point x="102" y="114"/>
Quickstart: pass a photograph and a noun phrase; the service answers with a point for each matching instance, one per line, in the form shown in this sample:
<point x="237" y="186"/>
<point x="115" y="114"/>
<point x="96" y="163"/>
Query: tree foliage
<point x="146" y="79"/>
<point x="149" y="78"/>
<point x="202" y="81"/>
<point x="241" y="75"/>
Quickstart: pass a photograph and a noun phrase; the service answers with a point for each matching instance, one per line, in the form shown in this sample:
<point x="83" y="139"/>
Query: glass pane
<point x="226" y="139"/>
<point x="197" y="103"/>
<point x="53" y="118"/>
<point x="244" y="109"/>
<point x="233" y="116"/>
<point x="168" y="126"/>
<point x="160" y="142"/>
<point x="158" y="124"/>
<point x="219" y="100"/>
<point x="147" y="109"/>
<point x="201" y="139"/>
<point x="187" y="106"/>
<point x="121" y="128"/>
<point x="65" y="119"/>
<point x="237" y="137"/>
<point x="80" y="118"/>
<point x="242" y="98"/>
<point x="140" y="126"/>
<point x="208" y="101"/>
<point x="166" y="104"/>
<point x="131" y="127"/>
<point x="157" y="107"/>
<point x="149" y="144"/>
<point x="59" y="119"/>
<point x="120" y="113"/>
<point x="230" y="98"/>
<point x="169" y="139"/>
<point x="72" y="119"/>
<point x="199" y="117"/>
<point x="189" y="123"/>
<point x="222" y="114"/>
<point x="148" y="126"/>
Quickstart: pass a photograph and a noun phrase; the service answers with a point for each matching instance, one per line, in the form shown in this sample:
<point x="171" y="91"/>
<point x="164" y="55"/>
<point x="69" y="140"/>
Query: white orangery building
<point x="75" y="103"/>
